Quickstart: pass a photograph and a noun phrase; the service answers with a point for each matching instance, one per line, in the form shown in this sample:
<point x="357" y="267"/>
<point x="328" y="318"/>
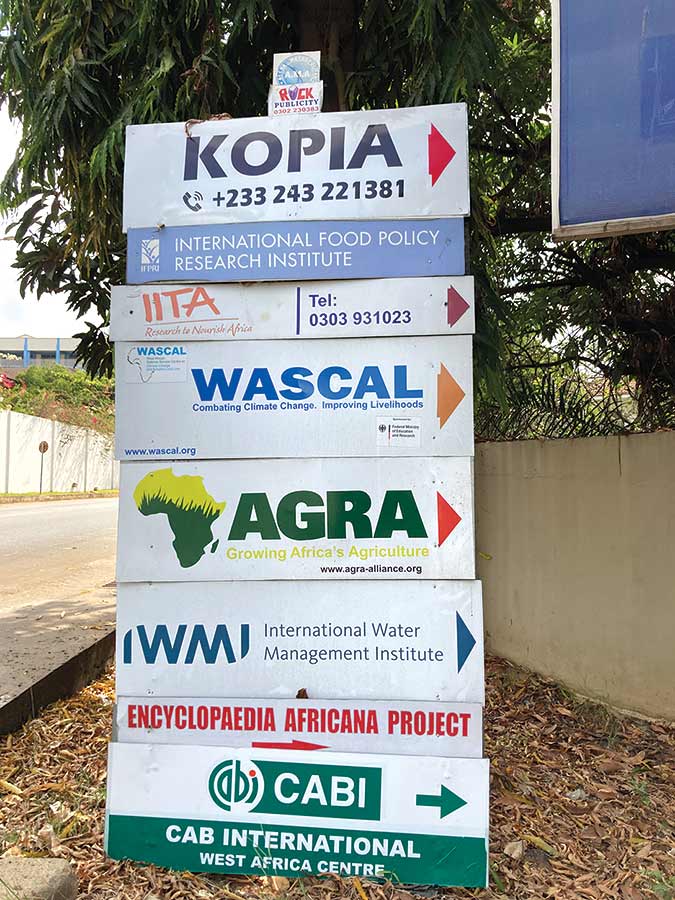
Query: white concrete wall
<point x="78" y="459"/>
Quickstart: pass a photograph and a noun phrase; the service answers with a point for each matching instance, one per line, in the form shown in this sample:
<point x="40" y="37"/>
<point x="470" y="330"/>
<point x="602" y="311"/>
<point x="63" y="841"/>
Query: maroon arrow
<point x="457" y="306"/>
<point x="288" y="745"/>
<point x="440" y="154"/>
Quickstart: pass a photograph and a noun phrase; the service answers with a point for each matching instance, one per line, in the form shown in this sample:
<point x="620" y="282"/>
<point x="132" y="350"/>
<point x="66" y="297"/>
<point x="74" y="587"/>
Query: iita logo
<point x="236" y="786"/>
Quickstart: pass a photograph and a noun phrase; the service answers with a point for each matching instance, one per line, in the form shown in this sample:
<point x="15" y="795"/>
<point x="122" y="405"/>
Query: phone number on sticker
<point x="304" y="193"/>
<point x="378" y="317"/>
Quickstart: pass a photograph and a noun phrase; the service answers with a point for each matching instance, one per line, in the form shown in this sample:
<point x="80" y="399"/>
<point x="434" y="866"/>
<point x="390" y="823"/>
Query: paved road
<point x="56" y="584"/>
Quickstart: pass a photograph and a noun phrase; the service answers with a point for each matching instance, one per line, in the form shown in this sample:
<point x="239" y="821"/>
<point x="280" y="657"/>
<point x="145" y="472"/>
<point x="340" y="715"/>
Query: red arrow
<point x="288" y="745"/>
<point x="448" y="519"/>
<point x="457" y="306"/>
<point x="440" y="154"/>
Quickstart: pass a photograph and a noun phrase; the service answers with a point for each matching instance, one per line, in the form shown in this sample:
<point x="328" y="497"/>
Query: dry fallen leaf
<point x="515" y="849"/>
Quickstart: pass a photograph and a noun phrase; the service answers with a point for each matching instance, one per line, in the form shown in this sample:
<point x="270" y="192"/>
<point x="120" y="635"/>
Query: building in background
<point x="24" y="350"/>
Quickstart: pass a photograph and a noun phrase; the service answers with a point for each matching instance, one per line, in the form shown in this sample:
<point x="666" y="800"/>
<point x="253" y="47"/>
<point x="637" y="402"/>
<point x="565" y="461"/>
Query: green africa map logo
<point x="188" y="506"/>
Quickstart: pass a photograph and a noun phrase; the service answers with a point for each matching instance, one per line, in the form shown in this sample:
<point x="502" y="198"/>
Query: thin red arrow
<point x="457" y="306"/>
<point x="448" y="519"/>
<point x="288" y="745"/>
<point x="440" y="154"/>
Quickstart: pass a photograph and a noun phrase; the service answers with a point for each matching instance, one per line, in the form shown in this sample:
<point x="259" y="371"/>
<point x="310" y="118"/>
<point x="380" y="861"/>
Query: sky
<point x="47" y="317"/>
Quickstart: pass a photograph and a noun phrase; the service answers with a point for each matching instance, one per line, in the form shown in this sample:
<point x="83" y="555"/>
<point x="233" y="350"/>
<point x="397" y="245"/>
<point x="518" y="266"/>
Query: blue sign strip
<point x="279" y="251"/>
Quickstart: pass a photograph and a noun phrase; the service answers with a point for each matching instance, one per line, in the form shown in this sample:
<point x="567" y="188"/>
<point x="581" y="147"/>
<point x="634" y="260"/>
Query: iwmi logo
<point x="185" y="645"/>
<point x="150" y="255"/>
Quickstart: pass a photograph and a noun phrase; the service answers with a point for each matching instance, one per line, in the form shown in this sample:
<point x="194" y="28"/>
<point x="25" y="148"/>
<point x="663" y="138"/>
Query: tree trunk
<point x="330" y="26"/>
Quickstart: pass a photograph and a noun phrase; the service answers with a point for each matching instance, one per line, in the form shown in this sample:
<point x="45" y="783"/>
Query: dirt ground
<point x="582" y="804"/>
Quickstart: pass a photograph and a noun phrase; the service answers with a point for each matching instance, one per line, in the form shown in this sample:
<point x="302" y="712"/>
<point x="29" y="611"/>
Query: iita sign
<point x="353" y="726"/>
<point x="234" y="520"/>
<point x="324" y="398"/>
<point x="268" y="311"/>
<point x="396" y="640"/>
<point x="389" y="164"/>
<point x="212" y="809"/>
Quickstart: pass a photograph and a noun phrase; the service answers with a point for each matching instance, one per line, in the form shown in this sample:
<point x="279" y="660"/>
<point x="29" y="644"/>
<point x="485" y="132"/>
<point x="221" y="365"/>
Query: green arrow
<point x="446" y="801"/>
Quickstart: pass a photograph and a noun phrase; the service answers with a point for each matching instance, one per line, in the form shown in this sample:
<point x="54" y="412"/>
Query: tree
<point x="76" y="72"/>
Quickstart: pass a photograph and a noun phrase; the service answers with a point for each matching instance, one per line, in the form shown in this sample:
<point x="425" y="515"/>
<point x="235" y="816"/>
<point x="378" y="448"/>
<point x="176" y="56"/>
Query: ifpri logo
<point x="150" y="255"/>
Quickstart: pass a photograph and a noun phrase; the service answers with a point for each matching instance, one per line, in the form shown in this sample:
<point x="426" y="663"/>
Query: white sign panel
<point x="373" y="164"/>
<point x="232" y="520"/>
<point x="403" y="818"/>
<point x="209" y="400"/>
<point x="315" y="309"/>
<point x="398" y="640"/>
<point x="415" y="729"/>
<point x="296" y="67"/>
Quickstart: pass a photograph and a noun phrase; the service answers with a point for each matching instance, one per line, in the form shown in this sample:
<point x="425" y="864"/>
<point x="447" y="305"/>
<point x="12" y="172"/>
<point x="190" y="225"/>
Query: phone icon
<point x="187" y="200"/>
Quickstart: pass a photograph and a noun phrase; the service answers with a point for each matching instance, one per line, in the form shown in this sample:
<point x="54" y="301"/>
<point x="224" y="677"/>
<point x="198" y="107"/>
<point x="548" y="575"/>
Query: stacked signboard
<point x="299" y="644"/>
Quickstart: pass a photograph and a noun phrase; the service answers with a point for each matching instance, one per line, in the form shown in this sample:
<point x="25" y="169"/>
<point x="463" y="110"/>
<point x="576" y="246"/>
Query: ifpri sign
<point x="398" y="640"/>
<point x="319" y="309"/>
<point x="411" y="729"/>
<point x="389" y="164"/>
<point x="233" y="520"/>
<point x="394" y="397"/>
<point x="211" y="809"/>
<point x="287" y="251"/>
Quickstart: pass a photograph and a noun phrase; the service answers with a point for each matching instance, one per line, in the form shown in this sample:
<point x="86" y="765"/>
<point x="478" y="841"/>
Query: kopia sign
<point x="369" y="640"/>
<point x="319" y="309"/>
<point x="388" y="164"/>
<point x="215" y="809"/>
<point x="213" y="520"/>
<point x="324" y="398"/>
<point x="417" y="728"/>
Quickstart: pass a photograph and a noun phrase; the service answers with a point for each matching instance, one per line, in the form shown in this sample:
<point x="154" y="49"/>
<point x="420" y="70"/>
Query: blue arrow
<point x="465" y="642"/>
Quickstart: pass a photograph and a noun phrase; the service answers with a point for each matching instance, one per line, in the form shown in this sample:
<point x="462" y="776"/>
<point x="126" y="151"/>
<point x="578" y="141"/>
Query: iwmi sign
<point x="390" y="164"/>
<point x="397" y="640"/>
<point x="414" y="820"/>
<point x="236" y="520"/>
<point x="394" y="397"/>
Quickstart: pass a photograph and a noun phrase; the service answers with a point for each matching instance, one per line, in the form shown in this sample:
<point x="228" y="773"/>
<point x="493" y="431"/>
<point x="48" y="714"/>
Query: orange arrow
<point x="449" y="395"/>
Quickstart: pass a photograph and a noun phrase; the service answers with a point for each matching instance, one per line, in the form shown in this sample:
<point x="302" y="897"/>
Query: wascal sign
<point x="215" y="809"/>
<point x="268" y="311"/>
<point x="390" y="164"/>
<point x="414" y="729"/>
<point x="207" y="399"/>
<point x="397" y="640"/>
<point x="233" y="520"/>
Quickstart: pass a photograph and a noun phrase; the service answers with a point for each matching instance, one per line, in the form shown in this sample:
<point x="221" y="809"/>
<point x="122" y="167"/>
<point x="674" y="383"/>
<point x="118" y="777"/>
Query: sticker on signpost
<point x="386" y="307"/>
<point x="298" y="399"/>
<point x="398" y="640"/>
<point x="213" y="809"/>
<point x="406" y="163"/>
<point x="233" y="520"/>
<point x="409" y="729"/>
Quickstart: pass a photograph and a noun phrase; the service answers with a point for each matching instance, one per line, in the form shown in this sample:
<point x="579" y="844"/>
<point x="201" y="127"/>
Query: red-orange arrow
<point x="440" y="154"/>
<point x="288" y="745"/>
<point x="448" y="519"/>
<point x="449" y="395"/>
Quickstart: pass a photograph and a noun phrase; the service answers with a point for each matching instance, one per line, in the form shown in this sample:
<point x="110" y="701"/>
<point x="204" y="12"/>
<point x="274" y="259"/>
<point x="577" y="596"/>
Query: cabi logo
<point x="301" y="515"/>
<point x="297" y="789"/>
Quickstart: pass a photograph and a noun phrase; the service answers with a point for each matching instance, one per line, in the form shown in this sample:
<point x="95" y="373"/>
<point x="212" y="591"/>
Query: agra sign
<point x="238" y="520"/>
<point x="319" y="309"/>
<point x="324" y="398"/>
<point x="389" y="164"/>
<point x="212" y="809"/>
<point x="402" y="640"/>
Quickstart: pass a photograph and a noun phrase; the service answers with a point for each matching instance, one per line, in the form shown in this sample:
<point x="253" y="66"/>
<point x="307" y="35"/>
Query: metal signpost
<point x="407" y="728"/>
<point x="304" y="309"/>
<point x="389" y="397"/>
<point x="234" y="520"/>
<point x="300" y="668"/>
<point x="413" y="640"/>
<point x="257" y="812"/>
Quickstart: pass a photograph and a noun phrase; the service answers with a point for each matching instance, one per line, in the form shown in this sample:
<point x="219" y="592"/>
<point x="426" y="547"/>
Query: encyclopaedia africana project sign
<point x="213" y="520"/>
<point x="215" y="809"/>
<point x="388" y="164"/>
<point x="374" y="640"/>
<point x="273" y="310"/>
<point x="390" y="397"/>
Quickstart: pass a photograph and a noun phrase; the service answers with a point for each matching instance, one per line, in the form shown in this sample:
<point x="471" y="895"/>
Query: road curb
<point x="36" y="879"/>
<point x="33" y="498"/>
<point x="64" y="681"/>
